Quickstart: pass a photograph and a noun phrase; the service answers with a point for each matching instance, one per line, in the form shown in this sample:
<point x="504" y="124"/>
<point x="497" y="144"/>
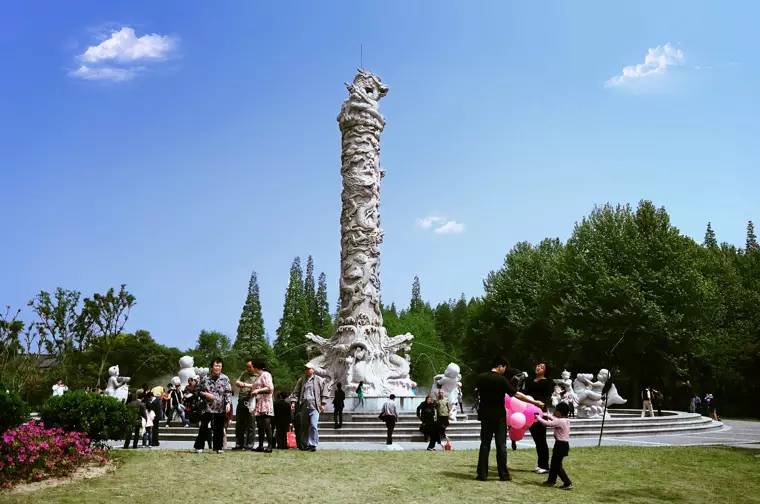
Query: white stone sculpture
<point x="186" y="370"/>
<point x="564" y="382"/>
<point x="360" y="349"/>
<point x="449" y="383"/>
<point x="588" y="394"/>
<point x="117" y="386"/>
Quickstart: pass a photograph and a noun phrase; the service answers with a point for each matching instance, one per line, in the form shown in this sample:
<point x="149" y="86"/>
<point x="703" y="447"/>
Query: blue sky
<point x="176" y="147"/>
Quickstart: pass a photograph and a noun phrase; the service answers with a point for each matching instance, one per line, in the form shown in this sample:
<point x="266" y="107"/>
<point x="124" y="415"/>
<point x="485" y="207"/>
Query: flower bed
<point x="30" y="452"/>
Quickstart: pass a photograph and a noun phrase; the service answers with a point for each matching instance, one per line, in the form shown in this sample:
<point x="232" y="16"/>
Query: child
<point x="148" y="428"/>
<point x="561" y="426"/>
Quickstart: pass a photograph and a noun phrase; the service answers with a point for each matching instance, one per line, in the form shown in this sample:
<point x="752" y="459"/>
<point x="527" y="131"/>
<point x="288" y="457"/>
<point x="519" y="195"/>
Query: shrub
<point x="100" y="417"/>
<point x="13" y="410"/>
<point x="31" y="452"/>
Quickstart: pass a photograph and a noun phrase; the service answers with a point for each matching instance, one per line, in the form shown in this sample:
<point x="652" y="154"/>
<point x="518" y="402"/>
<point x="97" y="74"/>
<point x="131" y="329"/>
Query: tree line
<point x="627" y="291"/>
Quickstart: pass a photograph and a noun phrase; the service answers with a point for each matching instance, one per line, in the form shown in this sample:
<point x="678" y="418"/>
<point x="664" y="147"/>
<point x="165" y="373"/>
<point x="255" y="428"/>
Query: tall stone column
<point x="360" y="350"/>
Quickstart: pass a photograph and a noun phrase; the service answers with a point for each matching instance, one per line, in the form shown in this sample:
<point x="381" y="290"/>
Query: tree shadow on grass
<point x="458" y="475"/>
<point x="649" y="494"/>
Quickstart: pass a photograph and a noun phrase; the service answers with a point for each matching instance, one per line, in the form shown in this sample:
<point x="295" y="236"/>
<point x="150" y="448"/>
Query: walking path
<point x="736" y="433"/>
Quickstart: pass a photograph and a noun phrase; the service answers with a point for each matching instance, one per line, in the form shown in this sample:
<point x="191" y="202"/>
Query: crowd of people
<point x="291" y="420"/>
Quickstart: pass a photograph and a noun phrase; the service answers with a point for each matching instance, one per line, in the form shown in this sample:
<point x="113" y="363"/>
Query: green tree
<point x="105" y="316"/>
<point x="211" y="344"/>
<point x="416" y="303"/>
<point x="751" y="243"/>
<point x="251" y="340"/>
<point x="710" y="240"/>
<point x="310" y="295"/>
<point x="60" y="321"/>
<point x="324" y="320"/>
<point x="290" y="345"/>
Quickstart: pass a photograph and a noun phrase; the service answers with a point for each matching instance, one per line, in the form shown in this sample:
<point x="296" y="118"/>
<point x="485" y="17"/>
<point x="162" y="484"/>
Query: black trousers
<point x="281" y="435"/>
<point x="431" y="430"/>
<point x="338" y="417"/>
<point x="133" y="434"/>
<point x="560" y="451"/>
<point x="390" y="424"/>
<point x="215" y="422"/>
<point x="245" y="428"/>
<point x="154" y="433"/>
<point x="264" y="424"/>
<point x="493" y="428"/>
<point x="538" y="432"/>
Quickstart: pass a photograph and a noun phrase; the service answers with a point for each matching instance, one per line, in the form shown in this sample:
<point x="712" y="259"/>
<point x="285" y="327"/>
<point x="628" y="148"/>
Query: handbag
<point x="291" y="437"/>
<point x="251" y="404"/>
<point x="447" y="446"/>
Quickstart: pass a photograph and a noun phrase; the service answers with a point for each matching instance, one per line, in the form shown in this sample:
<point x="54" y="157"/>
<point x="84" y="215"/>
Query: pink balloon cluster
<point x="520" y="416"/>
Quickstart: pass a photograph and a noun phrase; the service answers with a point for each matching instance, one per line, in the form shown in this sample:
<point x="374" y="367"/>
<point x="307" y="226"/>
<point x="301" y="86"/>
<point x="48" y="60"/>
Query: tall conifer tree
<point x="416" y="304"/>
<point x="251" y="340"/>
<point x="310" y="295"/>
<point x="323" y="320"/>
<point x="751" y="238"/>
<point x="290" y="344"/>
<point x="710" y="240"/>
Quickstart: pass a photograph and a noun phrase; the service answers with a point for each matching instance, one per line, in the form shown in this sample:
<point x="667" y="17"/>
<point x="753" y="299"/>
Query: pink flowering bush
<point x="30" y="452"/>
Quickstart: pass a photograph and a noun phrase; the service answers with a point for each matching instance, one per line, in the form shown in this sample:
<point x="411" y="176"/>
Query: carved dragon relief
<point x="360" y="349"/>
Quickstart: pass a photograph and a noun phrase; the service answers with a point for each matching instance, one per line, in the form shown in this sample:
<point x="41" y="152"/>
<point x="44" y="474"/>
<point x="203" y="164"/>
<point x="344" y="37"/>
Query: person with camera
<point x="245" y="427"/>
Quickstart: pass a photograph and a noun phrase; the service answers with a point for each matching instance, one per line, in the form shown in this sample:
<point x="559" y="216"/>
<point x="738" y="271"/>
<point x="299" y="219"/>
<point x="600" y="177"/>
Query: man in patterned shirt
<point x="215" y="389"/>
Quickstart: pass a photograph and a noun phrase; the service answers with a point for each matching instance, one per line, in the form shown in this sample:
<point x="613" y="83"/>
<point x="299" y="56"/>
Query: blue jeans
<point x="313" y="432"/>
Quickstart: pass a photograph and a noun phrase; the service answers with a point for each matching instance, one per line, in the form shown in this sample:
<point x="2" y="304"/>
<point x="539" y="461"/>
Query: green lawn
<point x="608" y="474"/>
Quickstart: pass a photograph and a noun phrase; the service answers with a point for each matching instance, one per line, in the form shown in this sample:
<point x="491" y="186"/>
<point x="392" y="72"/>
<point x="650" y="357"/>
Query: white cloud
<point x="427" y="222"/>
<point x="114" y="74"/>
<point x="656" y="63"/>
<point x="122" y="56"/>
<point x="123" y="46"/>
<point x="450" y="227"/>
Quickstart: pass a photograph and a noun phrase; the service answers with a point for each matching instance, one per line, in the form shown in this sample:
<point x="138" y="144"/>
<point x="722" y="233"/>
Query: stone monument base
<point x="373" y="404"/>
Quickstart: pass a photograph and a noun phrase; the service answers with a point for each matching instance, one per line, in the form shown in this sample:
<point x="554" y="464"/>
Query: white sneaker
<point x="200" y="450"/>
<point x="220" y="451"/>
<point x="541" y="471"/>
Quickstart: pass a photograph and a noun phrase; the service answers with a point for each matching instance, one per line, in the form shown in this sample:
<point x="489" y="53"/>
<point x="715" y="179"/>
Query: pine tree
<point x="710" y="240"/>
<point x="290" y="344"/>
<point x="323" y="320"/>
<point x="751" y="238"/>
<point x="310" y="296"/>
<point x="416" y="304"/>
<point x="251" y="340"/>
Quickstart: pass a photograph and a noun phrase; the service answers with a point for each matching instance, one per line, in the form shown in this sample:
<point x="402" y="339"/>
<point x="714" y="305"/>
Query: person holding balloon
<point x="493" y="387"/>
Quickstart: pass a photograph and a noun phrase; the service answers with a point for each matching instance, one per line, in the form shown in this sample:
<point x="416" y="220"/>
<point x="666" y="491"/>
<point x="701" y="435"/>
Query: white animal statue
<point x="449" y="383"/>
<point x="186" y="370"/>
<point x="117" y="385"/>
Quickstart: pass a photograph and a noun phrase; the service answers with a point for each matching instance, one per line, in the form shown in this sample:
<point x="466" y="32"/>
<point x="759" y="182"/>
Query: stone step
<point x="469" y="431"/>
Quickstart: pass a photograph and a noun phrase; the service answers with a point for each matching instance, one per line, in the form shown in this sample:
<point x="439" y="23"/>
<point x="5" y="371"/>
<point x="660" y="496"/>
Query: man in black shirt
<point x="492" y="386"/>
<point x="540" y="389"/>
<point x="338" y="404"/>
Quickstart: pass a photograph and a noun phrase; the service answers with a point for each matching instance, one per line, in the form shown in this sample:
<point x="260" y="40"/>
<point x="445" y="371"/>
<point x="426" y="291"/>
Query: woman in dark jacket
<point x="429" y="427"/>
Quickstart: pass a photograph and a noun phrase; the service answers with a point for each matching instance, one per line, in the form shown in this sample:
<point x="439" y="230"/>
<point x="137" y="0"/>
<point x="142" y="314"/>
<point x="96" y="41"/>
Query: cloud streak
<point x="440" y="225"/>
<point x="123" y="55"/>
<point x="657" y="61"/>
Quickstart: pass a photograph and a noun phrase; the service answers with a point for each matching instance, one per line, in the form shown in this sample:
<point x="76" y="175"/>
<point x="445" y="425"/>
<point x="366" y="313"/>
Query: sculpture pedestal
<point x="373" y="404"/>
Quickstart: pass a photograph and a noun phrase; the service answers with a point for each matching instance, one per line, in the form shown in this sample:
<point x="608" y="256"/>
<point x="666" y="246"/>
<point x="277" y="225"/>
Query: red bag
<point x="447" y="446"/>
<point x="291" y="437"/>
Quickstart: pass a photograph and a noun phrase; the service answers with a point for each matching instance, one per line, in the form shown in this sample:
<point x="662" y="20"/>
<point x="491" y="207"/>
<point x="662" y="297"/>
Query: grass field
<point x="607" y="474"/>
